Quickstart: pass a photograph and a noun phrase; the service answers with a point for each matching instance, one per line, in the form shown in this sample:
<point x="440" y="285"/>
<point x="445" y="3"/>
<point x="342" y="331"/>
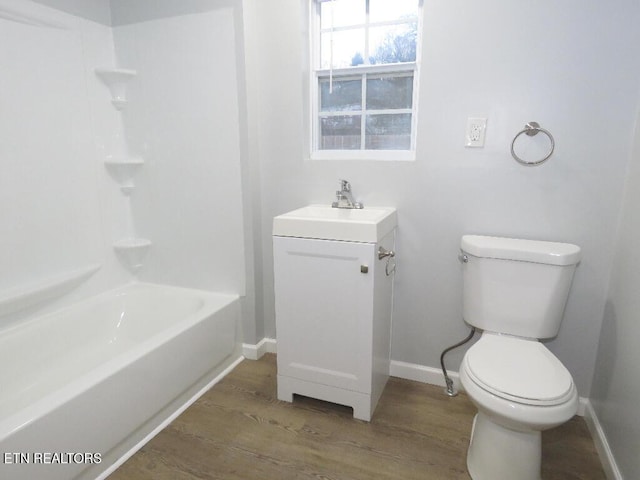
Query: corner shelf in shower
<point x="123" y="169"/>
<point x="116" y="79"/>
<point x="132" y="252"/>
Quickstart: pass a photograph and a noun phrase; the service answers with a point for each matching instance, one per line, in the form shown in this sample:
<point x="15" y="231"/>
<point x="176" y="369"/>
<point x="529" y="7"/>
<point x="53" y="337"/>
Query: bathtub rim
<point x="14" y="327"/>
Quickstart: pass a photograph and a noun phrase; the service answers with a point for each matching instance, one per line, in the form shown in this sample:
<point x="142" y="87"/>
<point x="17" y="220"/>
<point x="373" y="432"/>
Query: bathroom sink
<point x="369" y="224"/>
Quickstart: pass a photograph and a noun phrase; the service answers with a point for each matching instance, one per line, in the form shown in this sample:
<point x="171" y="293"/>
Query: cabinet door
<point x="324" y="310"/>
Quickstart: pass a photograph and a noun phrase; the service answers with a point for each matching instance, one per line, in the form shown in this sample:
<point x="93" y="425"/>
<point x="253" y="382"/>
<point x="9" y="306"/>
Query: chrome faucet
<point x="344" y="198"/>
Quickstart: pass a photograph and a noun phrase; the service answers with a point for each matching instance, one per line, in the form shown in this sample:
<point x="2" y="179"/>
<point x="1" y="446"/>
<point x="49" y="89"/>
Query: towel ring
<point x="532" y="129"/>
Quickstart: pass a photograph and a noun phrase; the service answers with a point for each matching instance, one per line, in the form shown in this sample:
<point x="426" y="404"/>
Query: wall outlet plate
<point x="476" y="129"/>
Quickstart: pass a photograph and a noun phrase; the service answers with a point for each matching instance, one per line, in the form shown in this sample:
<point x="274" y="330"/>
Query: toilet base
<point x="496" y="452"/>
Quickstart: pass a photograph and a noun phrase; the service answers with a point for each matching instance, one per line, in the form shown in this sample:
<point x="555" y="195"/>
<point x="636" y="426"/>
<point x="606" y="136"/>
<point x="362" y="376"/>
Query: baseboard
<point x="582" y="406"/>
<point x="420" y="373"/>
<point x="255" y="352"/>
<point x="602" y="445"/>
<point x="408" y="371"/>
<point x="434" y="376"/>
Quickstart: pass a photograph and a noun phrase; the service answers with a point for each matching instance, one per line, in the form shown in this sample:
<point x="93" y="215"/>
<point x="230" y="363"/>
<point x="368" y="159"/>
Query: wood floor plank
<point x="240" y="431"/>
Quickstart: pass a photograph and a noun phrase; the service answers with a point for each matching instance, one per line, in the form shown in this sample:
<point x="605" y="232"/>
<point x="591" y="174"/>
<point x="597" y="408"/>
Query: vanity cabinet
<point x="333" y="303"/>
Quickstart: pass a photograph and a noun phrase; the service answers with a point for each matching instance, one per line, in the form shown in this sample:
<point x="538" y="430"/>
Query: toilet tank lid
<point x="550" y="253"/>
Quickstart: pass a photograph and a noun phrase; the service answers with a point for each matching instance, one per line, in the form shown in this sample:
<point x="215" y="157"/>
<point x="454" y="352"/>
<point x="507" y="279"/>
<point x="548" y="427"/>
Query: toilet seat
<point x="519" y="370"/>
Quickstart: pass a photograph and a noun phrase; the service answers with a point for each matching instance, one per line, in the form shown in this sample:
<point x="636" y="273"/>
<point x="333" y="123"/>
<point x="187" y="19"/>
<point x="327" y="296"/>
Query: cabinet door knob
<point x="364" y="269"/>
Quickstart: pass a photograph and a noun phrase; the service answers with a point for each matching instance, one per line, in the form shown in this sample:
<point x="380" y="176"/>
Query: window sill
<point x="372" y="155"/>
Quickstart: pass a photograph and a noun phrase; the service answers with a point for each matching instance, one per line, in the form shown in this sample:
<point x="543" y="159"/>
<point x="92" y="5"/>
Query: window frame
<point x="360" y="72"/>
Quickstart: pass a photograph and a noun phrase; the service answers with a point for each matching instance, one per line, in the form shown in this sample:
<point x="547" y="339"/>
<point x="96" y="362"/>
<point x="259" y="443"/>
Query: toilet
<point x="515" y="292"/>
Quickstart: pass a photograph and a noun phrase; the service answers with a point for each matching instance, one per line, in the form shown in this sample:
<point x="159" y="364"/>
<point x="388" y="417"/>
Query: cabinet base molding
<point x="360" y="402"/>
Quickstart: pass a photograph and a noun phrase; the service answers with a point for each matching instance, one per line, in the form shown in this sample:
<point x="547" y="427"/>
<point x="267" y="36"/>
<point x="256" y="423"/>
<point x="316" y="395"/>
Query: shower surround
<point x="69" y="224"/>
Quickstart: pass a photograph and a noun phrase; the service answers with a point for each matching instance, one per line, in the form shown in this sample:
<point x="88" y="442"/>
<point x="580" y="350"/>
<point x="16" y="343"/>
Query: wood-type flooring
<point x="240" y="431"/>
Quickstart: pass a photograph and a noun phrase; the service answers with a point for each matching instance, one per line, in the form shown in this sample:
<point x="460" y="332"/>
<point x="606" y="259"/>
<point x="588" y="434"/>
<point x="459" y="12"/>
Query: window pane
<point x="370" y="33"/>
<point x="388" y="132"/>
<point x="393" y="43"/>
<point x="383" y="10"/>
<point x="348" y="48"/>
<point x="340" y="132"/>
<point x="346" y="95"/>
<point x="345" y="13"/>
<point x="387" y="92"/>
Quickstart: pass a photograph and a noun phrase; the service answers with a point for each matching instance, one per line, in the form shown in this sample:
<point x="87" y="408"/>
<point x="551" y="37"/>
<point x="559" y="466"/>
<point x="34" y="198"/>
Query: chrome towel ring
<point x="532" y="129"/>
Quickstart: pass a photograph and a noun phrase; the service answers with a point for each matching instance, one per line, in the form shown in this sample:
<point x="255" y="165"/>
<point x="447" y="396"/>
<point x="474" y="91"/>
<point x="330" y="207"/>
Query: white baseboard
<point x="434" y="376"/>
<point x="582" y="406"/>
<point x="408" y="371"/>
<point x="255" y="352"/>
<point x="420" y="373"/>
<point x="602" y="445"/>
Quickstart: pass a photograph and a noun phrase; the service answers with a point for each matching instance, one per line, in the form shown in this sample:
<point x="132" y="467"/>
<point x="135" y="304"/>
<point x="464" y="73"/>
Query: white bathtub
<point x="102" y="375"/>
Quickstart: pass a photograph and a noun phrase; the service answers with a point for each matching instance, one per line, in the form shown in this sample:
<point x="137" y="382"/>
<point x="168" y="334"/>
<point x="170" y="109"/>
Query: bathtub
<point x="83" y="388"/>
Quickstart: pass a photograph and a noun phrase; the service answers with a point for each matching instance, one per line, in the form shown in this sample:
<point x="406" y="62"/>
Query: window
<point x="364" y="78"/>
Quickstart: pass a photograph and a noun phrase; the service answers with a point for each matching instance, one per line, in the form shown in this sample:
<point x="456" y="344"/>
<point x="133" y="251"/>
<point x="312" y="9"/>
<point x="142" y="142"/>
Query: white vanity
<point x="333" y="299"/>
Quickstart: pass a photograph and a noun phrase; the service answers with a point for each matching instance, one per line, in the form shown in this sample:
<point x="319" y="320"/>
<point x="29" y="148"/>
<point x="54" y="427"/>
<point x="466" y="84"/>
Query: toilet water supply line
<point x="452" y="392"/>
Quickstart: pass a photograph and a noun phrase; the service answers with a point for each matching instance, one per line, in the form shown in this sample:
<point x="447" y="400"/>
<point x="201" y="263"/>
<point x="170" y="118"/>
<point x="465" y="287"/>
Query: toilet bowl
<point x="520" y="389"/>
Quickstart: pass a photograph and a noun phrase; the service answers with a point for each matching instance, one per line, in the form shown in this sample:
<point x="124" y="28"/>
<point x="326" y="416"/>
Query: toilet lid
<point x="521" y="370"/>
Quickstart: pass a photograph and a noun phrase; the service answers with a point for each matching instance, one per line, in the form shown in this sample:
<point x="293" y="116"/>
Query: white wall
<point x="616" y="390"/>
<point x="57" y="204"/>
<point x="183" y="119"/>
<point x="570" y="66"/>
<point x="60" y="209"/>
<point x="95" y="10"/>
<point x="124" y="12"/>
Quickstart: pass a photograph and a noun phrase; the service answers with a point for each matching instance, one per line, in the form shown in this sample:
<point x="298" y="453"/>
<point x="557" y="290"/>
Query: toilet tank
<point x="514" y="286"/>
